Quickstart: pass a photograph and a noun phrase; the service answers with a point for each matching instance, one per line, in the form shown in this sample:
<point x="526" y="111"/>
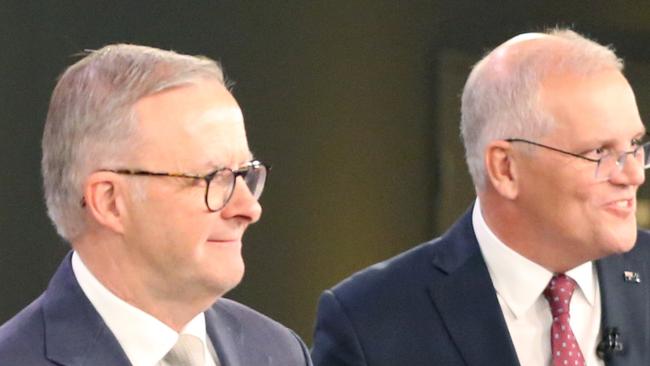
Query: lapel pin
<point x="633" y="277"/>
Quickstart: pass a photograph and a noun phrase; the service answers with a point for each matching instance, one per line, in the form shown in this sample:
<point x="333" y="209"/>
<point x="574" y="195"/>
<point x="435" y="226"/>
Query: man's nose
<point x="242" y="203"/>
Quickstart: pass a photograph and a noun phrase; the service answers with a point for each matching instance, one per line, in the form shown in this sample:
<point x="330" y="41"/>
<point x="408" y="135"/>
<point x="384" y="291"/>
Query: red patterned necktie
<point x="566" y="351"/>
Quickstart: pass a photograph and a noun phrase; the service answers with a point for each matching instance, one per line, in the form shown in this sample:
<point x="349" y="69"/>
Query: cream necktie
<point x="188" y="351"/>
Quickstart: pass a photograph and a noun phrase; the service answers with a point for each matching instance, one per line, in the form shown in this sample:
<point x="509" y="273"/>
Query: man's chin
<point x="622" y="242"/>
<point x="224" y="282"/>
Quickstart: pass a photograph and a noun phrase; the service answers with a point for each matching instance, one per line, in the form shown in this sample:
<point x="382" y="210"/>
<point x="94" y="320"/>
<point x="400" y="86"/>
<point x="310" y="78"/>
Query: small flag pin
<point x="631" y="277"/>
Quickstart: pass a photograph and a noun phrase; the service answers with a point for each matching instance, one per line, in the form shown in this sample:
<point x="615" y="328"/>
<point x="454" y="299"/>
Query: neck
<point x="116" y="271"/>
<point x="527" y="236"/>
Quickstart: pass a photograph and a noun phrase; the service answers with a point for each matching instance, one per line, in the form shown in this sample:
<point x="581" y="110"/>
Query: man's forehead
<point x="196" y="126"/>
<point x="602" y="105"/>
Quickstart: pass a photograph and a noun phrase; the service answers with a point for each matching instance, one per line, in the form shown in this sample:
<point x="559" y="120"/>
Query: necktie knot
<point x="558" y="293"/>
<point x="188" y="351"/>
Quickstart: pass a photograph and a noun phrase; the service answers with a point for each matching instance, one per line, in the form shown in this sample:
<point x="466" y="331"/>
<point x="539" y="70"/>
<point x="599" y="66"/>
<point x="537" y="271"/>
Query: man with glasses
<point x="149" y="177"/>
<point x="547" y="267"/>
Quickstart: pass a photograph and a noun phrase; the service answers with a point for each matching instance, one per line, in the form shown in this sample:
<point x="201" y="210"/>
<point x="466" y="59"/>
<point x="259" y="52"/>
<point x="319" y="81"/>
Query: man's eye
<point x="597" y="152"/>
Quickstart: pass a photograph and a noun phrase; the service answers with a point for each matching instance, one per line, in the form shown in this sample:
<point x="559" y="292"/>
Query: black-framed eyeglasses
<point x="609" y="163"/>
<point x="220" y="184"/>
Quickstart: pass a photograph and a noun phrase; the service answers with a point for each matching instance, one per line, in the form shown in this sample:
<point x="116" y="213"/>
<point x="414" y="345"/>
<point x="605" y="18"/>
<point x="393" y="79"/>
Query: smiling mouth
<point x="623" y="203"/>
<point x="224" y="241"/>
<point x="622" y="207"/>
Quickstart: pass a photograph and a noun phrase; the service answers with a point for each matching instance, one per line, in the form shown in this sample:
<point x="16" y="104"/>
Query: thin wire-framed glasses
<point x="608" y="164"/>
<point x="220" y="184"/>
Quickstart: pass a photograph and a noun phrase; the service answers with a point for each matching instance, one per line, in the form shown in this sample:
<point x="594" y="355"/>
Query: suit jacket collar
<point x="75" y="333"/>
<point x="466" y="300"/>
<point x="224" y="332"/>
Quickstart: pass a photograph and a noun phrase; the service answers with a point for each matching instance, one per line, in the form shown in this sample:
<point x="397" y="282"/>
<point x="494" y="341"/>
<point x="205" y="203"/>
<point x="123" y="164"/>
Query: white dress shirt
<point x="519" y="284"/>
<point x="144" y="339"/>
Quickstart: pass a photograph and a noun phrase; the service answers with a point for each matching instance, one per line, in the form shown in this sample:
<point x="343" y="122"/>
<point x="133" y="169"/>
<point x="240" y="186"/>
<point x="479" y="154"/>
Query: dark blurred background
<point x="355" y="103"/>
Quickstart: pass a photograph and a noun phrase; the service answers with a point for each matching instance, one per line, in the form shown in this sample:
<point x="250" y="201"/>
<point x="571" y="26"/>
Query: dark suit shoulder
<point x="256" y="338"/>
<point x="397" y="312"/>
<point x="22" y="338"/>
<point x="382" y="298"/>
<point x="414" y="269"/>
<point x="374" y="316"/>
<point x="391" y="274"/>
<point x="643" y="240"/>
<point x="249" y="318"/>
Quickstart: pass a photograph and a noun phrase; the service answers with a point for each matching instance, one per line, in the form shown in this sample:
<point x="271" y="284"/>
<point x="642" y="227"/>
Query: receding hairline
<point x="528" y="46"/>
<point x="504" y="85"/>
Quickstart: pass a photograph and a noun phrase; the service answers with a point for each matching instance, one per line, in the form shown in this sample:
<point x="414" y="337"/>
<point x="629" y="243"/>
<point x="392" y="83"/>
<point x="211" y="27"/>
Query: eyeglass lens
<point x="221" y="188"/>
<point x="614" y="163"/>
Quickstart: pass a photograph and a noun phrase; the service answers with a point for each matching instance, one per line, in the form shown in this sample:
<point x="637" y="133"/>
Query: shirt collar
<point x="518" y="280"/>
<point x="144" y="339"/>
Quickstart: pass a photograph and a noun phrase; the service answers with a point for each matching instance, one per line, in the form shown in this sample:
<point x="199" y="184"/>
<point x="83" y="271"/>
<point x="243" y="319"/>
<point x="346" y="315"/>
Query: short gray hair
<point x="500" y="103"/>
<point x="91" y="123"/>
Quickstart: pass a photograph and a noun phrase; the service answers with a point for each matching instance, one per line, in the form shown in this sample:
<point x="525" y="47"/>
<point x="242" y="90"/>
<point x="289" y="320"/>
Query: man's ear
<point x="104" y="200"/>
<point x="501" y="168"/>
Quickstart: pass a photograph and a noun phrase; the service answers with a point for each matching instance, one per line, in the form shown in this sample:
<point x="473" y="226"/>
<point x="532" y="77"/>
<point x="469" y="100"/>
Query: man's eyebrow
<point x="213" y="165"/>
<point x="641" y="136"/>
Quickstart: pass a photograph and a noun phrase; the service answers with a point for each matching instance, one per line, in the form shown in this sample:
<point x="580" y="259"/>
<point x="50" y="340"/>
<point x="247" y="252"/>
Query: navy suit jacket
<point x="436" y="305"/>
<point x="62" y="327"/>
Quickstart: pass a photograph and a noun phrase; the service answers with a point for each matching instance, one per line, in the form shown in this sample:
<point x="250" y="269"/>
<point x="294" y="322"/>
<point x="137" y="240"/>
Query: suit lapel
<point x="625" y="305"/>
<point x="465" y="298"/>
<point x="224" y="332"/>
<point x="75" y="333"/>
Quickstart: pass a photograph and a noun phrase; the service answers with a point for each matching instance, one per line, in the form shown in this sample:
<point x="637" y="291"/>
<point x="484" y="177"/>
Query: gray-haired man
<point x="149" y="177"/>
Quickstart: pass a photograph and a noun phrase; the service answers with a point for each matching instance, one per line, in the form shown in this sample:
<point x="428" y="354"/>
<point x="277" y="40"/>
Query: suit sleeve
<point x="335" y="340"/>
